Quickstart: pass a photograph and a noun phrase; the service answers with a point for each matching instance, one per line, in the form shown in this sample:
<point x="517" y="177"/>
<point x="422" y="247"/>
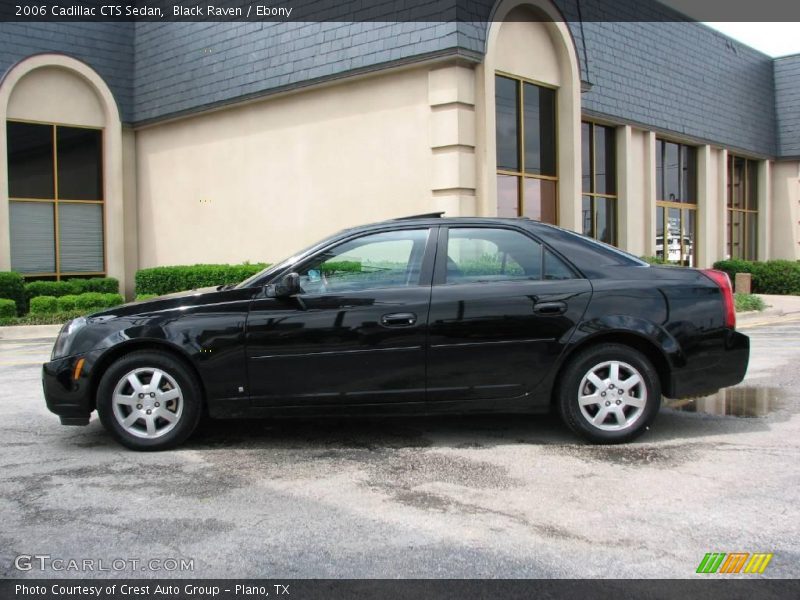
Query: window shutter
<point x="32" y="235"/>
<point x="80" y="231"/>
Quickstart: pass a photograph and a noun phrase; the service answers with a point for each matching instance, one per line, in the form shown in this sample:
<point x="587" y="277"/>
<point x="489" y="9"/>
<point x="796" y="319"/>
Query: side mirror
<point x="288" y="286"/>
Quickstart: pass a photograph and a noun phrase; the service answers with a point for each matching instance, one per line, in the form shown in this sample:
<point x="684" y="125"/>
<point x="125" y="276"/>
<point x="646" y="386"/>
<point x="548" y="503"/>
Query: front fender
<point x="209" y="336"/>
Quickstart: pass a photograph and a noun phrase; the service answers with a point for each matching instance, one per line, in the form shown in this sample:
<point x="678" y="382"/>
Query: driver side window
<point x="379" y="260"/>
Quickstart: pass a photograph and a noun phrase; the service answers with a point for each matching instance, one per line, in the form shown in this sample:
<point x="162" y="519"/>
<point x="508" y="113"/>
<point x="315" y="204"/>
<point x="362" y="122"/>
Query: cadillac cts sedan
<point x="420" y="315"/>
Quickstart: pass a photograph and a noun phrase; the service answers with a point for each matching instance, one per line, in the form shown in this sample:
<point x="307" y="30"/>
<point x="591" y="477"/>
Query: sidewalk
<point x="29" y="332"/>
<point x="779" y="309"/>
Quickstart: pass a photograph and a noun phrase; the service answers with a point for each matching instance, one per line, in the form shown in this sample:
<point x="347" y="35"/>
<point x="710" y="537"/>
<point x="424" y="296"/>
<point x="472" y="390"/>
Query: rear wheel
<point x="149" y="400"/>
<point x="609" y="394"/>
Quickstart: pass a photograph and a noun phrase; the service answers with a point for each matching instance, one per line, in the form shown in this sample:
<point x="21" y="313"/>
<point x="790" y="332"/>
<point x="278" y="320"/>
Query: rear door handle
<point x="550" y="308"/>
<point x="399" y="320"/>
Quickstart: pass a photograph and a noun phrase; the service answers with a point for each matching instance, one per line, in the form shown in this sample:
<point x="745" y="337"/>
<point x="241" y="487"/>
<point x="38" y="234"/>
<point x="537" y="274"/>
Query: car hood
<point x="177" y="300"/>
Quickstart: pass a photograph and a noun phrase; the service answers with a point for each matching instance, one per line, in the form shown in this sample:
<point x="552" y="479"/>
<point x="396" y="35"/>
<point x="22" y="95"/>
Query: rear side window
<point x="482" y="255"/>
<point x="555" y="268"/>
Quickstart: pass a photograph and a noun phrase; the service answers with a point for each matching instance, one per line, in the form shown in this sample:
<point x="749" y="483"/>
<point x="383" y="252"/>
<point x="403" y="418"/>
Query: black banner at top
<point x="391" y="10"/>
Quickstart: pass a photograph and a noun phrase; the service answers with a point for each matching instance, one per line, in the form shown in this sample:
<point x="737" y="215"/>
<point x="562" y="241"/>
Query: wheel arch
<point x="118" y="351"/>
<point x="639" y="342"/>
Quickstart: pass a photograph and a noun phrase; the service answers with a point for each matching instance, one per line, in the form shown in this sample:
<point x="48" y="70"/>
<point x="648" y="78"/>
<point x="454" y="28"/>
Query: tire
<point x="142" y="417"/>
<point x="605" y="408"/>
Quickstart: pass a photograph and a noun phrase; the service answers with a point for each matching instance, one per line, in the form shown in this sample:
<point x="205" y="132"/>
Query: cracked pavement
<point x="478" y="496"/>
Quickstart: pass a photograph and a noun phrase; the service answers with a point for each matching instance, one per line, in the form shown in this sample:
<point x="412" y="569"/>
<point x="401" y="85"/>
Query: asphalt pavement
<point x="500" y="496"/>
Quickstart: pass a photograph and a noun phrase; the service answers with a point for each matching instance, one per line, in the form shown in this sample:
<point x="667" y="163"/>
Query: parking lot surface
<point x="499" y="496"/>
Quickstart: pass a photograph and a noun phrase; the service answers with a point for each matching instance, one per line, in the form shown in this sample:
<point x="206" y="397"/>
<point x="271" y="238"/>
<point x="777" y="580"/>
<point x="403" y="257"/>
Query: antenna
<point x="432" y="215"/>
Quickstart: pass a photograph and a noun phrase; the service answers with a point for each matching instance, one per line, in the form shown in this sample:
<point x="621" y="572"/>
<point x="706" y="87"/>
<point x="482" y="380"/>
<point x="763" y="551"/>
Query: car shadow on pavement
<point x="468" y="431"/>
<point x="453" y="431"/>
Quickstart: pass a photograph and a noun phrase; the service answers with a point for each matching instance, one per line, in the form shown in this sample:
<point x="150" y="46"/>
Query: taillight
<point x="724" y="283"/>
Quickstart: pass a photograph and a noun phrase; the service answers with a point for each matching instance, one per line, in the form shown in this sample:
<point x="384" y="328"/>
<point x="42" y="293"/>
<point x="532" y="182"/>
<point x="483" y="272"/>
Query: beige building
<point x="504" y="132"/>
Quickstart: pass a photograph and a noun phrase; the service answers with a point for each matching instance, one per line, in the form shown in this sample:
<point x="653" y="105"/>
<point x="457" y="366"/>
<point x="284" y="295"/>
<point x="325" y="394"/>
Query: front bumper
<point x="729" y="369"/>
<point x="71" y="399"/>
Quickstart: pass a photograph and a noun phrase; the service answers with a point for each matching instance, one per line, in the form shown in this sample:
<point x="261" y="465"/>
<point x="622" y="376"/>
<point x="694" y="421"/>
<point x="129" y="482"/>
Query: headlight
<point x="64" y="339"/>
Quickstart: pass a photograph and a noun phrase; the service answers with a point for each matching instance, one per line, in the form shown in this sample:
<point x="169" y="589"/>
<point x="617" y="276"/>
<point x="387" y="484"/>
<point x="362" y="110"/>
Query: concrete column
<point x="130" y="213"/>
<point x="629" y="208"/>
<point x="708" y="210"/>
<point x="649" y="199"/>
<point x="764" y="209"/>
<point x="5" y="229"/>
<point x="785" y="211"/>
<point x="451" y="95"/>
<point x="722" y="187"/>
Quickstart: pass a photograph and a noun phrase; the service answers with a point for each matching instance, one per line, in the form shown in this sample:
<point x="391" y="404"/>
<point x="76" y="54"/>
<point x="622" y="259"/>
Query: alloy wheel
<point x="147" y="402"/>
<point x="612" y="395"/>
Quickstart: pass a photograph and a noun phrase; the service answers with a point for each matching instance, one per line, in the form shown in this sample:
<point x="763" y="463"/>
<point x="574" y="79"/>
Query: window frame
<point x="592" y="194"/>
<point x="664" y="205"/>
<point x="746" y="214"/>
<point x="440" y="268"/>
<point x="55" y="201"/>
<point x="520" y="174"/>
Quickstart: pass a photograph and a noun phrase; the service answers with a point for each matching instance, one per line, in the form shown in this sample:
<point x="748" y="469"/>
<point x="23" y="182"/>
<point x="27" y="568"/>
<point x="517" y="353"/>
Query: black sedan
<point x="422" y="315"/>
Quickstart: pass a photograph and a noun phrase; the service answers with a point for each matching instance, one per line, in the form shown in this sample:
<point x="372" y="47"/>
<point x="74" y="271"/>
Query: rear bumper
<point x="69" y="398"/>
<point x="729" y="369"/>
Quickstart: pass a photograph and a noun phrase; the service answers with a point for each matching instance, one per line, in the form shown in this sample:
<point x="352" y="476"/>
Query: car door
<point x="501" y="306"/>
<point x="356" y="333"/>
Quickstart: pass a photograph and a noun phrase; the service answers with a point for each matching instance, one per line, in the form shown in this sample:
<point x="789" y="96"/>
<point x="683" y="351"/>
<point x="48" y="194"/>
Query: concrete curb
<point x="29" y="332"/>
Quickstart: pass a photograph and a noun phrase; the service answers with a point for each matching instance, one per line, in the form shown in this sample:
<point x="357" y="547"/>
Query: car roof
<point x="433" y="219"/>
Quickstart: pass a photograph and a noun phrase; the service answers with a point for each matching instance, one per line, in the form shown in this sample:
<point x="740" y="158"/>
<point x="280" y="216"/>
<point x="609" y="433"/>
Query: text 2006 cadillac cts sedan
<point x="422" y="315"/>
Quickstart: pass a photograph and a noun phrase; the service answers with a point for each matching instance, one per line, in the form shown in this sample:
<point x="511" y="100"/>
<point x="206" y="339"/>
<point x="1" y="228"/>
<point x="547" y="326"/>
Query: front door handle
<point x="399" y="320"/>
<point x="550" y="308"/>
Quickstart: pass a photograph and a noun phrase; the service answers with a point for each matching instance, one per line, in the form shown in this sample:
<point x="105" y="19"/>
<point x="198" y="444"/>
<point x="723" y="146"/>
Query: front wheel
<point x="149" y="400"/>
<point x="609" y="394"/>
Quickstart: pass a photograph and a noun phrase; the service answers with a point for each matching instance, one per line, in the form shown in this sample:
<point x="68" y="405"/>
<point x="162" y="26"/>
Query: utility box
<point x="742" y="283"/>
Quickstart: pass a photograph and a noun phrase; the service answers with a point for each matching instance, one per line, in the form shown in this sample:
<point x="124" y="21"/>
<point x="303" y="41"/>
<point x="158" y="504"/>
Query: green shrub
<point x="770" y="277"/>
<point x="103" y="285"/>
<point x="167" y="280"/>
<point x="734" y="266"/>
<point x="113" y="300"/>
<point x="654" y="260"/>
<point x="44" y="305"/>
<point x="8" y="308"/>
<point x="90" y="301"/>
<point x="67" y="303"/>
<point x="143" y="297"/>
<point x="744" y="302"/>
<point x="777" y="277"/>
<point x="49" y="288"/>
<point x="12" y="287"/>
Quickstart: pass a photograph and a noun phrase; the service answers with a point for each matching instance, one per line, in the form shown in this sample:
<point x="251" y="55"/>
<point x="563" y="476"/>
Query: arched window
<point x="55" y="189"/>
<point x="61" y="212"/>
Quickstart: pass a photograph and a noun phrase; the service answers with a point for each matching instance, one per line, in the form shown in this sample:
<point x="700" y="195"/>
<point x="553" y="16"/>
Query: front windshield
<point x="279" y="266"/>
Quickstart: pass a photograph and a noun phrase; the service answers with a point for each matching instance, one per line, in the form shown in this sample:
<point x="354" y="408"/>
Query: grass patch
<point x="56" y="318"/>
<point x="745" y="302"/>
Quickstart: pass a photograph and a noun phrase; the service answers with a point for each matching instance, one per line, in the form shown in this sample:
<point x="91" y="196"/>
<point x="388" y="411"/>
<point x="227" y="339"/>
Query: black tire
<point x="189" y="391"/>
<point x="613" y="400"/>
